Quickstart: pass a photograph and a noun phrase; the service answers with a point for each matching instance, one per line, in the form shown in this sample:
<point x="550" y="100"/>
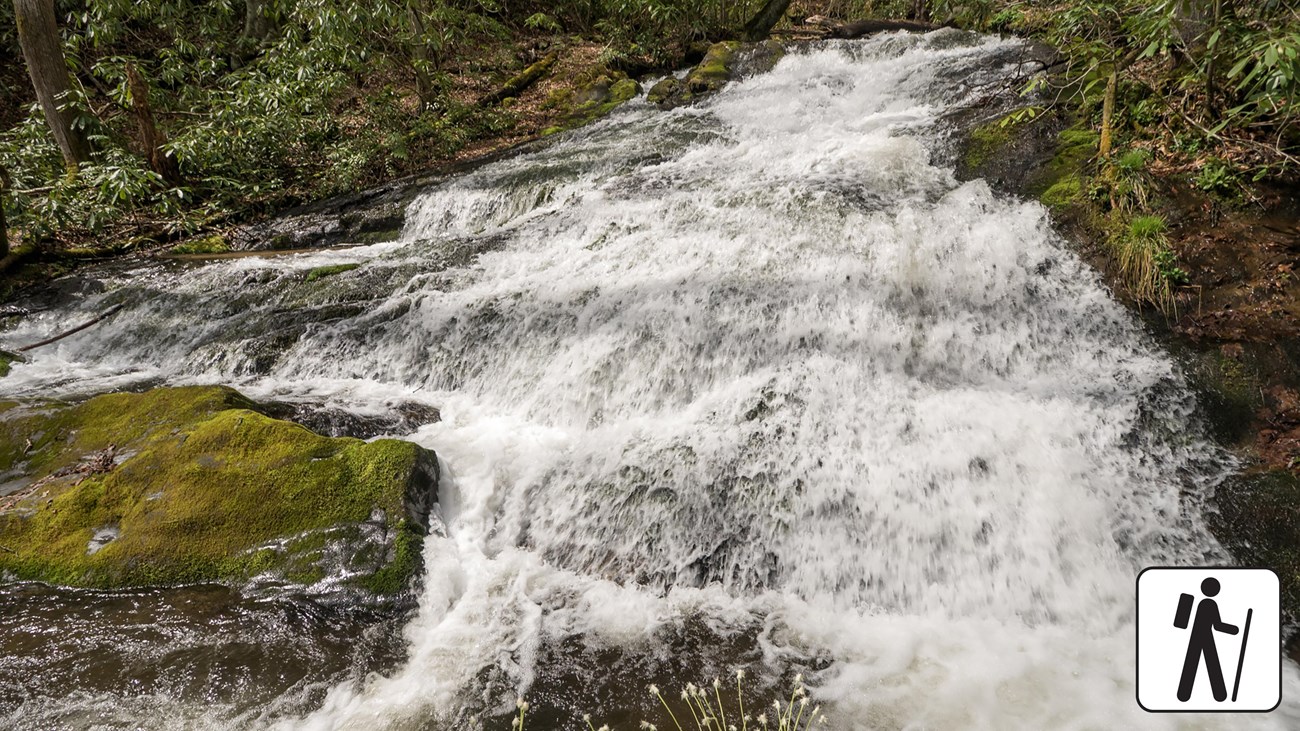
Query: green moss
<point x="214" y="244"/>
<point x="714" y="71"/>
<point x="61" y="437"/>
<point x="206" y="482"/>
<point x="392" y="578"/>
<point x="1064" y="181"/>
<point x="1077" y="148"/>
<point x="986" y="142"/>
<point x="662" y="90"/>
<point x="602" y="96"/>
<point x="1064" y="192"/>
<point x="329" y="271"/>
<point x="6" y="360"/>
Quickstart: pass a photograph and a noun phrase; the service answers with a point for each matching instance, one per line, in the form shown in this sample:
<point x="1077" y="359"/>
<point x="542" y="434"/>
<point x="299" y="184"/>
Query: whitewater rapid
<point x="760" y="368"/>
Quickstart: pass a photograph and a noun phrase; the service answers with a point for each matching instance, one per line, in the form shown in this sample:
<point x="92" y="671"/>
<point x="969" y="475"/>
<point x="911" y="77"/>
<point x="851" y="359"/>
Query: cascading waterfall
<point x="761" y="364"/>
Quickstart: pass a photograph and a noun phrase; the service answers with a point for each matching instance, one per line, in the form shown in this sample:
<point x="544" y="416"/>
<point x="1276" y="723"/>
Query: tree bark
<point x="421" y="59"/>
<point x="38" y="34"/>
<point x="4" y="230"/>
<point x="768" y="16"/>
<point x="1108" y="113"/>
<point x="153" y="139"/>
<point x="256" y="24"/>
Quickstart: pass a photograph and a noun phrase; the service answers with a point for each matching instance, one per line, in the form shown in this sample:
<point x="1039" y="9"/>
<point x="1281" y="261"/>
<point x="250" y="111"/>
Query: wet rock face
<point x="404" y="418"/>
<point x="197" y="484"/>
<point x="374" y="216"/>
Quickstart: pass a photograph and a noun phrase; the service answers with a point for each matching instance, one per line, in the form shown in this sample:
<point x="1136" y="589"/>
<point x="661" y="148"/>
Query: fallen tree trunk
<point x="521" y="81"/>
<point x="860" y="28"/>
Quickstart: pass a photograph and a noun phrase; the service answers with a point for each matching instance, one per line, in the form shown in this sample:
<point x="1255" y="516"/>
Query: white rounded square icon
<point x="1209" y="640"/>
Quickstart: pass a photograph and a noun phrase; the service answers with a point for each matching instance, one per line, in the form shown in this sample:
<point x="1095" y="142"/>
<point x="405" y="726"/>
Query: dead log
<point x="521" y="81"/>
<point x="860" y="28"/>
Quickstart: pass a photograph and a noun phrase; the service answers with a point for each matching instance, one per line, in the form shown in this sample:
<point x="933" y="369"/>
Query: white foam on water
<point x="762" y="361"/>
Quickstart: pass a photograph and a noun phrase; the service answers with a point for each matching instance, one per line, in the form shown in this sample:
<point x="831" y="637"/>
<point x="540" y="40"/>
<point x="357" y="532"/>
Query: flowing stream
<point x="752" y="384"/>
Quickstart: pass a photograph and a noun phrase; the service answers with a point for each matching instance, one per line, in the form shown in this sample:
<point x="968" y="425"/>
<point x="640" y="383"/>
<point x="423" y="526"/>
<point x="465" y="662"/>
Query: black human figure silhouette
<point x="1202" y="644"/>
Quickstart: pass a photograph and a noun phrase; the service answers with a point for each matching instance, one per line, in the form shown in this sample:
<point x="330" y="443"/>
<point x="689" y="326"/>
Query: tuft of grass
<point x="1148" y="267"/>
<point x="1134" y="161"/>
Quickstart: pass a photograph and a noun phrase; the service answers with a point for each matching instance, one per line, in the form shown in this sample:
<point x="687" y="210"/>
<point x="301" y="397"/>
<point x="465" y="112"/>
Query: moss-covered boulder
<point x="722" y="63"/>
<point x="709" y="75"/>
<point x="590" y="101"/>
<point x="714" y="71"/>
<point x="196" y="484"/>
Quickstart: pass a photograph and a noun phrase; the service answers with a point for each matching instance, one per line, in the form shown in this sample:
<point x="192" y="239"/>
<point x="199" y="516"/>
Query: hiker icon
<point x="1202" y="644"/>
<point x="1209" y="639"/>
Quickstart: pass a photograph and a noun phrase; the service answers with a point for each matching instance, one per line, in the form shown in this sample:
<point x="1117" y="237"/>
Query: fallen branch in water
<point x="111" y="311"/>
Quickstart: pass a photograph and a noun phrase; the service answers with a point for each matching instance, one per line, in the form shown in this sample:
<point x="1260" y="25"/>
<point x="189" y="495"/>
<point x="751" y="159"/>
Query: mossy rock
<point x="986" y="142"/>
<point x="709" y="75"/>
<point x="329" y="271"/>
<point x="663" y="90"/>
<point x="715" y="70"/>
<point x="593" y="100"/>
<point x="1067" y="191"/>
<point x="195" y="484"/>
